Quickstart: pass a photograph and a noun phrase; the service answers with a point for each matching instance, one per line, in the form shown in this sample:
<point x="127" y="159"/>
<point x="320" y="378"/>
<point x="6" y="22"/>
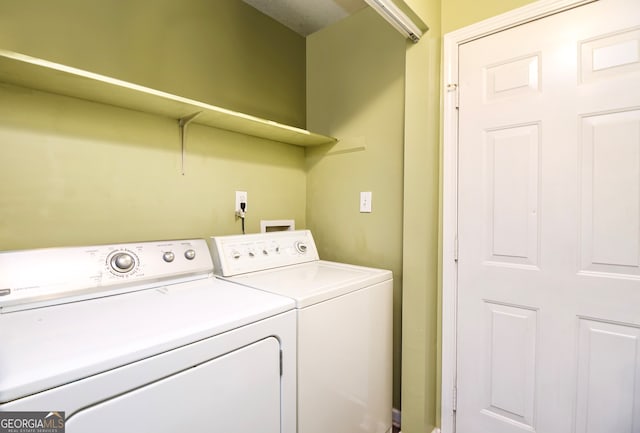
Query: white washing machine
<point x="142" y="337"/>
<point x="344" y="326"/>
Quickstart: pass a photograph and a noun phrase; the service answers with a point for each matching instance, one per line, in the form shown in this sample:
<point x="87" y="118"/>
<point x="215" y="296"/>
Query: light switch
<point x="365" y="202"/>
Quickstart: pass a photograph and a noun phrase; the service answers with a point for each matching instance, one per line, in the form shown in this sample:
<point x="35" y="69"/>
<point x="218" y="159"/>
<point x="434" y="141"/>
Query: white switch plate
<point x="241" y="196"/>
<point x="365" y="202"/>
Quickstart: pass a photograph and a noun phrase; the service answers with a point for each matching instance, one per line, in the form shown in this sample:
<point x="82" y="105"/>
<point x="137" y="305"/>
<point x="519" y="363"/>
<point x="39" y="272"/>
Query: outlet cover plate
<point x="241" y="196"/>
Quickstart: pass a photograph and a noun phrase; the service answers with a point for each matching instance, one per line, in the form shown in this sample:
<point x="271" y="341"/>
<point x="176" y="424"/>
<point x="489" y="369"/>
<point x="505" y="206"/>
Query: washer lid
<point x="47" y="347"/>
<point x="313" y="282"/>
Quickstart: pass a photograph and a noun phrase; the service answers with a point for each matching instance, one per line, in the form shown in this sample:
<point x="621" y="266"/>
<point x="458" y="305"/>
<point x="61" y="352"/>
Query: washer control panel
<point x="239" y="254"/>
<point x="32" y="278"/>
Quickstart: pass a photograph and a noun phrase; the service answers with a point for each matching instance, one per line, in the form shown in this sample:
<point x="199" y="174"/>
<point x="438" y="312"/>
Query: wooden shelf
<point x="31" y="72"/>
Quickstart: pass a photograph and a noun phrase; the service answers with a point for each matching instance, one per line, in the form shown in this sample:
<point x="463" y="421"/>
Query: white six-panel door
<point x="548" y="315"/>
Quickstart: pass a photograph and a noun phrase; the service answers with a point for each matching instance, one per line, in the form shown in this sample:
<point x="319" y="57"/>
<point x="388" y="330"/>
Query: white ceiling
<point x="307" y="16"/>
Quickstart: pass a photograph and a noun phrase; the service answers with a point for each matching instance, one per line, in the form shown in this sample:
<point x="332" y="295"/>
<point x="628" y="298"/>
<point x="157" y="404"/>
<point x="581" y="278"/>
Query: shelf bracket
<point x="182" y="124"/>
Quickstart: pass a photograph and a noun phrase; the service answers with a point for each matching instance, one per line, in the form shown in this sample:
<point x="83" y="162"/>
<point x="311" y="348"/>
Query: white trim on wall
<point x="451" y="43"/>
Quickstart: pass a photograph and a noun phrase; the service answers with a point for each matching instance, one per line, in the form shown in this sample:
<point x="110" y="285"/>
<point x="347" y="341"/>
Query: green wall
<point x="460" y="13"/>
<point x="420" y="249"/>
<point x="355" y="91"/>
<point x="74" y="172"/>
<point x="223" y="52"/>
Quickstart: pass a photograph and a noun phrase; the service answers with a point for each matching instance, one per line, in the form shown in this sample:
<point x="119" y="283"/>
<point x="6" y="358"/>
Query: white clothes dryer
<point x="141" y="337"/>
<point x="344" y="317"/>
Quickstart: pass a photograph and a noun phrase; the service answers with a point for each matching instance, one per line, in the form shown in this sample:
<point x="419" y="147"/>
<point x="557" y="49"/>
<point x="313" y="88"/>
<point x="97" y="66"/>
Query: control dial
<point x="122" y="262"/>
<point x="190" y="254"/>
<point x="301" y="247"/>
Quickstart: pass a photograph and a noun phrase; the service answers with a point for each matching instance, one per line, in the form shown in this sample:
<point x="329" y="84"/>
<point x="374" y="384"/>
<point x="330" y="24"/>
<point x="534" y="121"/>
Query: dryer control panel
<point x="239" y="254"/>
<point x="36" y="278"/>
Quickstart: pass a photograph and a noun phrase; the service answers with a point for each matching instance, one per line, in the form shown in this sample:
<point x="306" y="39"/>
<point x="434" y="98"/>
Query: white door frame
<point x="451" y="43"/>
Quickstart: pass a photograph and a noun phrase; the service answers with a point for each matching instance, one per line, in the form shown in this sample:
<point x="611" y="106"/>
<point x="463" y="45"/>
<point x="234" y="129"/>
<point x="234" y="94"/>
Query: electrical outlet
<point x="365" y="202"/>
<point x="241" y="197"/>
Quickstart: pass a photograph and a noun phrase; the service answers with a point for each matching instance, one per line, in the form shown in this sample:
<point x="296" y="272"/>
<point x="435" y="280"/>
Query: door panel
<point x="510" y="358"/>
<point x="608" y="367"/>
<point x="611" y="55"/>
<point x="238" y="392"/>
<point x="549" y="225"/>
<point x="511" y="189"/>
<point x="610" y="145"/>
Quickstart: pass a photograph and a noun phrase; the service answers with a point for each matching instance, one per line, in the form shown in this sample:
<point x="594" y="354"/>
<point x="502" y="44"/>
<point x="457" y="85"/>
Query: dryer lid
<point x="47" y="347"/>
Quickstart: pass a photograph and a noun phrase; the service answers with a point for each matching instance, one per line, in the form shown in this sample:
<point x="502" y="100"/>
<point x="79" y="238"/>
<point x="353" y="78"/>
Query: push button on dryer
<point x="168" y="256"/>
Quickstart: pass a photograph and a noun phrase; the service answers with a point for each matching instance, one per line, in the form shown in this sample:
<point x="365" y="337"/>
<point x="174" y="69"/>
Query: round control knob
<point x="265" y="252"/>
<point x="168" y="256"/>
<point x="190" y="254"/>
<point x="235" y="255"/>
<point x="301" y="247"/>
<point x="252" y="254"/>
<point x="122" y="262"/>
